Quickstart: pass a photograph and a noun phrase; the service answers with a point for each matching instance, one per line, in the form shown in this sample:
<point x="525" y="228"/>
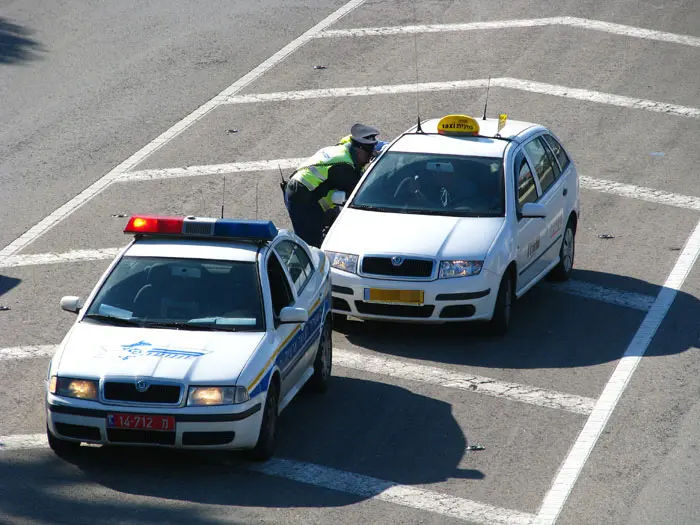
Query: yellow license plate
<point x="394" y="296"/>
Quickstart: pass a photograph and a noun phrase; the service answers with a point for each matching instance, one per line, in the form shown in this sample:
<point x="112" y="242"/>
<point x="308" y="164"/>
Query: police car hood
<point x="97" y="350"/>
<point x="362" y="232"/>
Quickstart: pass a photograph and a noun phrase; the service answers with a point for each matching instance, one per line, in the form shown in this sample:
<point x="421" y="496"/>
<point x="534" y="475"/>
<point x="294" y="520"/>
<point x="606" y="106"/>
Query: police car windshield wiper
<point x="110" y="319"/>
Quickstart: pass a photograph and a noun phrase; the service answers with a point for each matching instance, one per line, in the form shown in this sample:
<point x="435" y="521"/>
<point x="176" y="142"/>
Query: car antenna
<point x="487" y="97"/>
<point x="223" y="193"/>
<point x="415" y="55"/>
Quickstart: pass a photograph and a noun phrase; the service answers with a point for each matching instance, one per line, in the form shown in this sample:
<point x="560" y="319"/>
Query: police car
<point x="198" y="334"/>
<point x="455" y="220"/>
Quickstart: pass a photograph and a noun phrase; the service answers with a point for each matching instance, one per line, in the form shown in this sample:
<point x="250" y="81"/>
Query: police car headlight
<point x="217" y="395"/>
<point x="343" y="261"/>
<point x="77" y="388"/>
<point x="450" y="269"/>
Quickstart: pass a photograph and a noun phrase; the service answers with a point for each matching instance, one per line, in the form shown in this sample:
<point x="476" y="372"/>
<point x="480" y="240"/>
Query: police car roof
<point x="486" y="144"/>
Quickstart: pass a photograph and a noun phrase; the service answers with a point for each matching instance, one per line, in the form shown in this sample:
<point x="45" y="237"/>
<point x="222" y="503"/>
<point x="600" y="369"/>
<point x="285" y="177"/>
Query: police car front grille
<point x="408" y="268"/>
<point x="160" y="394"/>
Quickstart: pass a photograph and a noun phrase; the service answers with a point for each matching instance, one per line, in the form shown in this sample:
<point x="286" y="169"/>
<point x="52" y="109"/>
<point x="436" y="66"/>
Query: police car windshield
<point x="190" y="294"/>
<point x="432" y="184"/>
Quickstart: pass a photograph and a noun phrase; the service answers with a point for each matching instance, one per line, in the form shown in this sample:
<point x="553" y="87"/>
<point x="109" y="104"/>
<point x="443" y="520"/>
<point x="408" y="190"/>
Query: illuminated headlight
<point x="78" y="388"/>
<point x="343" y="261"/>
<point x="217" y="395"/>
<point x="450" y="269"/>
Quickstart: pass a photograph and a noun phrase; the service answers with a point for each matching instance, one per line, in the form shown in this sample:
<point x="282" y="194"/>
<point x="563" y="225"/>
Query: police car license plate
<point x="377" y="295"/>
<point x="141" y="422"/>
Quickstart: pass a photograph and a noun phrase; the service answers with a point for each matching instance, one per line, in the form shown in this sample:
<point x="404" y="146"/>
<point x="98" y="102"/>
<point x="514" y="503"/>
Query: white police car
<point x="198" y="334"/>
<point x="453" y="221"/>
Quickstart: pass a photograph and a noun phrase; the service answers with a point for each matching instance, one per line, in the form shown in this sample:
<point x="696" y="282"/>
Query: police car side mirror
<point x="338" y="197"/>
<point x="533" y="210"/>
<point x="291" y="314"/>
<point x="71" y="303"/>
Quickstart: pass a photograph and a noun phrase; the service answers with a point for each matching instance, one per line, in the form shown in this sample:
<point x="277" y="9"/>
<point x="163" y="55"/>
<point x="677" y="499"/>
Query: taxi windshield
<point x="189" y="294"/>
<point x="432" y="184"/>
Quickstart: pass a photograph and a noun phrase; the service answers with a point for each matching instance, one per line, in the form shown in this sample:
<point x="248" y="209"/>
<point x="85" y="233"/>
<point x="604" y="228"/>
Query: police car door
<point x="529" y="246"/>
<point x="553" y="197"/>
<point x="306" y="282"/>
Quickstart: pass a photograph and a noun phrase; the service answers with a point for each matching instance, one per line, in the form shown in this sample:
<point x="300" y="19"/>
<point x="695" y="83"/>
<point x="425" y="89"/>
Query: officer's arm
<point x="343" y="177"/>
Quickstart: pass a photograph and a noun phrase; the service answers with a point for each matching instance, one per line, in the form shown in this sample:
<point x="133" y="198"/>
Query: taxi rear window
<point x="185" y="293"/>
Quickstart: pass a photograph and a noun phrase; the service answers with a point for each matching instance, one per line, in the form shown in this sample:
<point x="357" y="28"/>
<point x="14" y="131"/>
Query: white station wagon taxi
<point x="198" y="334"/>
<point x="453" y="221"/>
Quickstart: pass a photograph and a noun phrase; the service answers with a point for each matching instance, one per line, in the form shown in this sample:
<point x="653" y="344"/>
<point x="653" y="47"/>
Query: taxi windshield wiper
<point x="187" y="326"/>
<point x="376" y="208"/>
<point x="110" y="319"/>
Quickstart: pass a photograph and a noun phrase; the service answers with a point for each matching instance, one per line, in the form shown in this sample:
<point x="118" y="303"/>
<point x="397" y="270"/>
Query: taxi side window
<point x="281" y="293"/>
<point x="524" y="181"/>
<point x="297" y="262"/>
<point x="543" y="163"/>
<point x="558" y="151"/>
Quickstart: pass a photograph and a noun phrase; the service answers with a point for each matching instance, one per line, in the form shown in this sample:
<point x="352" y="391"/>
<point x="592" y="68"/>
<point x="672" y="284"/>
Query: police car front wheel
<point x="267" y="440"/>
<point x="61" y="447"/>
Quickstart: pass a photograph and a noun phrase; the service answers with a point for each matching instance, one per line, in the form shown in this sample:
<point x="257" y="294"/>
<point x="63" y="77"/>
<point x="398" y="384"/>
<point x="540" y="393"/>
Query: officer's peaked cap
<point x="364" y="135"/>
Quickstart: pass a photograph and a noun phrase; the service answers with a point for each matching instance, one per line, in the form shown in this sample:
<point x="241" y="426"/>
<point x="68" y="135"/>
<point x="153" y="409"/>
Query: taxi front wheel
<point x="500" y="322"/>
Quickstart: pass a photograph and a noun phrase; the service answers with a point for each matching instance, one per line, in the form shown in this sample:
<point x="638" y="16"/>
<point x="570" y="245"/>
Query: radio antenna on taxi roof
<point x="487" y="97"/>
<point x="415" y="54"/>
<point x="223" y="193"/>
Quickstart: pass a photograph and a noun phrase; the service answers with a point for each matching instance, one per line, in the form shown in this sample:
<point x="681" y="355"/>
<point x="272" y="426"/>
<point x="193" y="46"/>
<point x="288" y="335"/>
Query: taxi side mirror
<point x="338" y="197"/>
<point x="71" y="303"/>
<point x="533" y="210"/>
<point x="291" y="314"/>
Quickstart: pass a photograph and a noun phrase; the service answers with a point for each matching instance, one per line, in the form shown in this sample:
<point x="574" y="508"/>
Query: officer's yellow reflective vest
<point x="314" y="171"/>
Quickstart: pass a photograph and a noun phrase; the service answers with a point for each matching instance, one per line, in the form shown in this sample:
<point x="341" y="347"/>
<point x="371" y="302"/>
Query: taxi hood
<point x="98" y="350"/>
<point x="361" y="232"/>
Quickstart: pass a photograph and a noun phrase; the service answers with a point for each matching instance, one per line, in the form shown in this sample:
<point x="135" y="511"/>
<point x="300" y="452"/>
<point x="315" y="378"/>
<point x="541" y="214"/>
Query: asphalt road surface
<point x="587" y="411"/>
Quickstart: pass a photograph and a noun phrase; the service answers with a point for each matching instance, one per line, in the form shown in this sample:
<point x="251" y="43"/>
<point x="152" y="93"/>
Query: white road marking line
<point x="34" y="259"/>
<point x="391" y="492"/>
<point x="573" y="464"/>
<point x="641" y="193"/>
<point x="350" y="483"/>
<point x="582" y="23"/>
<point x="214" y="169"/>
<point x="450" y="85"/>
<point x="632" y="300"/>
<point x="100" y="185"/>
<point x="392" y="367"/>
<point x="27" y="352"/>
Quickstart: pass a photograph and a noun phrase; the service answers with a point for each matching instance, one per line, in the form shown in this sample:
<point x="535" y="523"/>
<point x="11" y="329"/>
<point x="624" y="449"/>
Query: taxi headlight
<point x="78" y="388"/>
<point x="450" y="269"/>
<point x="343" y="261"/>
<point x="217" y="395"/>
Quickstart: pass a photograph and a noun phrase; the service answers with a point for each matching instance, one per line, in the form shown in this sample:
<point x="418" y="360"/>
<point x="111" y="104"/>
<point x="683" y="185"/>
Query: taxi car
<point x="455" y="220"/>
<point x="197" y="336"/>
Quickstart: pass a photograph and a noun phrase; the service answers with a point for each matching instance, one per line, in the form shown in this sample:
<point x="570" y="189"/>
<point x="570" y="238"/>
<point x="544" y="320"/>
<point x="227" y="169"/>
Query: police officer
<point x="334" y="168"/>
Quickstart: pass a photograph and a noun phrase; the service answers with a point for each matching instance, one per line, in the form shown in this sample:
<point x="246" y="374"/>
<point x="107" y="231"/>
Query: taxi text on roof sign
<point x="458" y="125"/>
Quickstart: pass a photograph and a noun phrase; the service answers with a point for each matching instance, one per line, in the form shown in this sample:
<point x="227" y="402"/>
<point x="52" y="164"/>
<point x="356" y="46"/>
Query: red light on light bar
<point x="151" y="224"/>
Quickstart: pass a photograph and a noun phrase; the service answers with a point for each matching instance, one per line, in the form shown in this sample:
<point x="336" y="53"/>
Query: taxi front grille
<point x="402" y="268"/>
<point x="156" y="394"/>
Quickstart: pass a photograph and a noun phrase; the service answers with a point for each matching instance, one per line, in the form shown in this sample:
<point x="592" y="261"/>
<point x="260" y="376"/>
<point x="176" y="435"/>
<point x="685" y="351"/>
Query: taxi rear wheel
<point x="500" y="322"/>
<point x="562" y="271"/>
<point x="324" y="360"/>
<point x="267" y="440"/>
<point x="61" y="447"/>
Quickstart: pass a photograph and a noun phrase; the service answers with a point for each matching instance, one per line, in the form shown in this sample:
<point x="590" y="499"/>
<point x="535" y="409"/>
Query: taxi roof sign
<point x="458" y="125"/>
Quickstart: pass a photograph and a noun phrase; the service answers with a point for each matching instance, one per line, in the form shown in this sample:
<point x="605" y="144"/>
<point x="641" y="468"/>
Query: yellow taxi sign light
<point x="458" y="125"/>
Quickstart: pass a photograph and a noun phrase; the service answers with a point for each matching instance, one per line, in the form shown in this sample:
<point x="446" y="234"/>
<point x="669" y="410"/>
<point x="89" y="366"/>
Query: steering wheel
<point x="409" y="188"/>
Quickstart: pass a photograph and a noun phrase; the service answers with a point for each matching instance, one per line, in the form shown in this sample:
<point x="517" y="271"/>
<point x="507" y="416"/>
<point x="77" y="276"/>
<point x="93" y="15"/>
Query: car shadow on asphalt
<point x="15" y="44"/>
<point x="372" y="429"/>
<point x="7" y="284"/>
<point x="549" y="329"/>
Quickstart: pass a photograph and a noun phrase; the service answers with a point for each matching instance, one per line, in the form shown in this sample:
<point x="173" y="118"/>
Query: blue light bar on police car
<point x="202" y="227"/>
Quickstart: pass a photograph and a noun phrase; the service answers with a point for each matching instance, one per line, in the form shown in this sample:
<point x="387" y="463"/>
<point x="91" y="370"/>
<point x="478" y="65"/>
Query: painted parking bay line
<point x="542" y="88"/>
<point x="349" y="483"/>
<point x="570" y="21"/>
<point x="395" y="368"/>
<point x="36" y="259"/>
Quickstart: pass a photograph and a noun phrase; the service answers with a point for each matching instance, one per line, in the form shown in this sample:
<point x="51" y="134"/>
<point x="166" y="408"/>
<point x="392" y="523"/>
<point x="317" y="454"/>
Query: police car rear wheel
<point x="562" y="271"/>
<point x="267" y="440"/>
<point x="500" y="322"/>
<point x="324" y="360"/>
<point x="62" y="447"/>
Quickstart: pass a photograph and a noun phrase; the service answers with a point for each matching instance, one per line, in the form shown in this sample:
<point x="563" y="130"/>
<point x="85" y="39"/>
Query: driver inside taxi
<point x="440" y="188"/>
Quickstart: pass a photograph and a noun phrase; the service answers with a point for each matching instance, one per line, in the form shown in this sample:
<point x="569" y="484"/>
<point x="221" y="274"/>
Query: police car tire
<point x="560" y="272"/>
<point x="61" y="447"/>
<point x="500" y="322"/>
<point x="319" y="381"/>
<point x="340" y="320"/>
<point x="267" y="440"/>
